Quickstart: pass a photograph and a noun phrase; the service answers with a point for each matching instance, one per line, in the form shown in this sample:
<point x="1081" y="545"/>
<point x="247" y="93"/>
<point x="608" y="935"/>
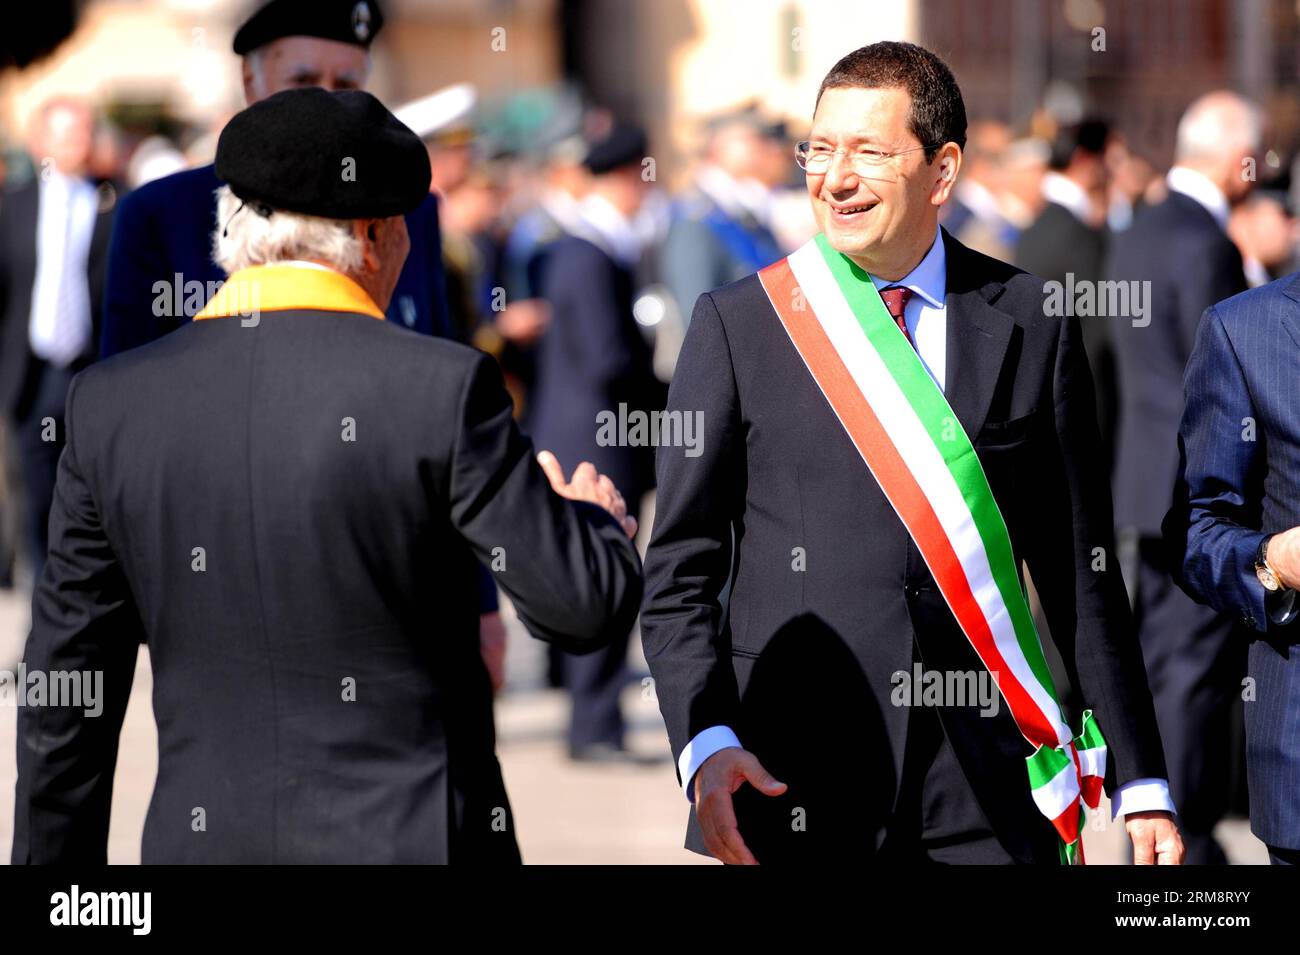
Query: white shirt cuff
<point x="1141" y="795"/>
<point x="705" y="744"/>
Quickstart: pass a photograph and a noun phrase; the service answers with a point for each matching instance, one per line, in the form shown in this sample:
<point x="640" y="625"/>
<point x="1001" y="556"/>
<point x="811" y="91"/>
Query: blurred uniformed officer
<point x="163" y="229"/>
<point x="593" y="360"/>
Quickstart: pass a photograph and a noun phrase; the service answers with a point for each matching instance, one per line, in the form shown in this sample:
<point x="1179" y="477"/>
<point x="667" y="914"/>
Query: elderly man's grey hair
<point x="244" y="238"/>
<point x="1218" y="124"/>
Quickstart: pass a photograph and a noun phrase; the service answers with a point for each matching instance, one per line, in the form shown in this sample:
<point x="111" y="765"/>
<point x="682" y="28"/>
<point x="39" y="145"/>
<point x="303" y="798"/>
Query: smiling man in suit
<point x="892" y="424"/>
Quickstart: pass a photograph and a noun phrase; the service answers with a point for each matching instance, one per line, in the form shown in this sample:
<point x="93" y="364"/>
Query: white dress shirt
<point x="1067" y="193"/>
<point x="608" y="229"/>
<point x="926" y="318"/>
<point x="926" y="314"/>
<point x="60" y="324"/>
<point x="738" y="198"/>
<point x="1197" y="186"/>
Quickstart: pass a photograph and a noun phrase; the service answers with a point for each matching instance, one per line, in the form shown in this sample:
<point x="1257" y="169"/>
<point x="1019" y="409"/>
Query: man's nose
<point x="840" y="177"/>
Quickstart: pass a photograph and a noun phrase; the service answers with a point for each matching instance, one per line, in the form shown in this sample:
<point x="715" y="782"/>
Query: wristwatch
<point x="1263" y="571"/>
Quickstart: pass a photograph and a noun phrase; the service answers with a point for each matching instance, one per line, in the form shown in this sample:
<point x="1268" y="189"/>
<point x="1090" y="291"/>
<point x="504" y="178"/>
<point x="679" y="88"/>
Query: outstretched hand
<point x="588" y="485"/>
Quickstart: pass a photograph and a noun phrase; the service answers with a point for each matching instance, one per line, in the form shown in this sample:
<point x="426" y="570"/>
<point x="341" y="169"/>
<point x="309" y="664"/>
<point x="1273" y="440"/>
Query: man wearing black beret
<point x="160" y="264"/>
<point x="162" y="230"/>
<point x="282" y="497"/>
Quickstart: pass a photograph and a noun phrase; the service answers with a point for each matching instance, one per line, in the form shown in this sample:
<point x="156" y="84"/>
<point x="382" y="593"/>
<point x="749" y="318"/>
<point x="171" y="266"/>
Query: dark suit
<point x="1179" y="248"/>
<point x="31" y="389"/>
<point x="592" y="359"/>
<point x="164" y="229"/>
<point x="1056" y="244"/>
<point x="1195" y="660"/>
<point x="799" y="662"/>
<point x="329" y="564"/>
<point x="1239" y="479"/>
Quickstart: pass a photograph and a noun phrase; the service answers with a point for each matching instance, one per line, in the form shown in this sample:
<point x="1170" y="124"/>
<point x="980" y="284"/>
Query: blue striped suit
<point x="1239" y="479"/>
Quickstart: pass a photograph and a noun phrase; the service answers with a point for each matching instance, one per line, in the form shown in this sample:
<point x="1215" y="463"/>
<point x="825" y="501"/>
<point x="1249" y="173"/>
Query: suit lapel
<point x="977" y="337"/>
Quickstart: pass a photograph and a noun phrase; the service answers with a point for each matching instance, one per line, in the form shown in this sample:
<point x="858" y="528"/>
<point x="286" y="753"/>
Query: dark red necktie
<point x="896" y="297"/>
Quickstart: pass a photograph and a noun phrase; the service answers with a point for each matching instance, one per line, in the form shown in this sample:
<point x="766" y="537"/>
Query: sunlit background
<point x="163" y="78"/>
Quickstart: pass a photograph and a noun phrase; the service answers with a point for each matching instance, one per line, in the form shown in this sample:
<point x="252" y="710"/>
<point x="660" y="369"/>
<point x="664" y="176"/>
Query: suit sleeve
<point x="84" y="626"/>
<point x="1074" y="567"/>
<point x="135" y="263"/>
<point x="690" y="553"/>
<point x="568" y="567"/>
<point x="1212" y="529"/>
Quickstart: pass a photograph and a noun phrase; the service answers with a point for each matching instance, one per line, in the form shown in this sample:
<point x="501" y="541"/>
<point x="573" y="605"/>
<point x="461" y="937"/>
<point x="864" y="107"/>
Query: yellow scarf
<point x="271" y="288"/>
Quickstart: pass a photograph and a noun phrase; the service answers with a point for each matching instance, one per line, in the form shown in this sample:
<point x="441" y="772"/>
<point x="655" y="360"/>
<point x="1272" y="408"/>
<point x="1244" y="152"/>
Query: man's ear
<point x="249" y="78"/>
<point x="366" y="232"/>
<point x="947" y="164"/>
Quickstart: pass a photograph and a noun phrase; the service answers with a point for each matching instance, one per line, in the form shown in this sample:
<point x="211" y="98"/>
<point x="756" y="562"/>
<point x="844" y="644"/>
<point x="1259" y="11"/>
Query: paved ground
<point x="564" y="813"/>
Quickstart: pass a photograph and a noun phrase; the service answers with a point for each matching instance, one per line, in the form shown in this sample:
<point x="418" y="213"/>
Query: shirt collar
<point x="930" y="277"/>
<point x="1197" y="187"/>
<point x="606" y="227"/>
<point x="1067" y="193"/>
<point x="978" y="199"/>
<point x="735" y="197"/>
<point x="285" y="286"/>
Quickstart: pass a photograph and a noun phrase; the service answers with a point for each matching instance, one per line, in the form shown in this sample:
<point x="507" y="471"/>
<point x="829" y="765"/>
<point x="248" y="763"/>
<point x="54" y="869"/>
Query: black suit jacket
<point x="799" y="662"/>
<point x="1055" y="246"/>
<point x="1190" y="263"/>
<point x="18" y="223"/>
<point x="330" y="568"/>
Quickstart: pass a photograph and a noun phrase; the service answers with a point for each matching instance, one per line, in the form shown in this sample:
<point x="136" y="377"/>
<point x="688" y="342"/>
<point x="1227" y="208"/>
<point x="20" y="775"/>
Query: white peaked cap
<point x="448" y="107"/>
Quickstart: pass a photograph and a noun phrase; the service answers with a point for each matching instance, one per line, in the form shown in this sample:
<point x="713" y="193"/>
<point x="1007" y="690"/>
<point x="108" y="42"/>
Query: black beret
<point x="622" y="146"/>
<point x="337" y="155"/>
<point x="346" y="21"/>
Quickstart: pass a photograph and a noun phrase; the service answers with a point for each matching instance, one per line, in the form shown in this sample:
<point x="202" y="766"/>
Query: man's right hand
<point x="588" y="485"/>
<point x="717" y="778"/>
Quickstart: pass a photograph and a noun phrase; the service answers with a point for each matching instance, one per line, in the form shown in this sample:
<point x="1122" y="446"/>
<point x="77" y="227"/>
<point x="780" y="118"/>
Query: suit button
<point x="912" y="591"/>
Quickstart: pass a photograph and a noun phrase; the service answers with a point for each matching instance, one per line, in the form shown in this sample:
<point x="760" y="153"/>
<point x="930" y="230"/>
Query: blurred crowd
<point x="576" y="260"/>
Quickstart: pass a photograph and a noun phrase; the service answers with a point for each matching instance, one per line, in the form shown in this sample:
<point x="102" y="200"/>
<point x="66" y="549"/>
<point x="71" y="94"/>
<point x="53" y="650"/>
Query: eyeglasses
<point x="816" y="157"/>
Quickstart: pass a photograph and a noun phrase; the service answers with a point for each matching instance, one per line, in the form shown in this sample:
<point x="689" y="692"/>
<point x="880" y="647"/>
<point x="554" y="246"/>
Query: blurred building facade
<point x="1137" y="62"/>
<point x="163" y="65"/>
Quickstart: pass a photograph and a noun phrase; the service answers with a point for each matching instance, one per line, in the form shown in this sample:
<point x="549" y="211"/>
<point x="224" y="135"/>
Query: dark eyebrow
<point x="857" y="139"/>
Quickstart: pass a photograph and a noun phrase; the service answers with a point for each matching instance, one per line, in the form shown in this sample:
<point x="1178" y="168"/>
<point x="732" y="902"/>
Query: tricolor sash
<point x="910" y="439"/>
